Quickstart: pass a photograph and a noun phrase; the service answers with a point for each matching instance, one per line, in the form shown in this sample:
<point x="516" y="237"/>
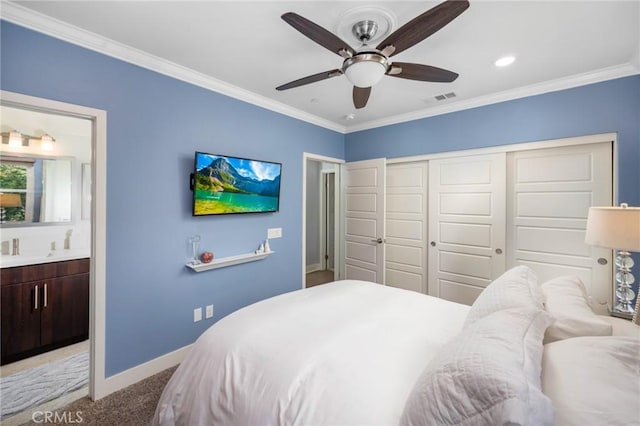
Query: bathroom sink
<point x="54" y="256"/>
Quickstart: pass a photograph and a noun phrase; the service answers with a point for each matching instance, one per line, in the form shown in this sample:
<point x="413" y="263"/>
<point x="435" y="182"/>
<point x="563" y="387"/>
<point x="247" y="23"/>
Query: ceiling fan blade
<point x="423" y="26"/>
<point x="318" y="34"/>
<point x="361" y="96"/>
<point x="310" y="79"/>
<point x="421" y="72"/>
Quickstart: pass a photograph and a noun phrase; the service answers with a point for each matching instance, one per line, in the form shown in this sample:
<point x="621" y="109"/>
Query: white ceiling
<point x="245" y="50"/>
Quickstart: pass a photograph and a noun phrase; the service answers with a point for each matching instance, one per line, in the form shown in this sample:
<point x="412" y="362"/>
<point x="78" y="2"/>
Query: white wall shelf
<point x="228" y="261"/>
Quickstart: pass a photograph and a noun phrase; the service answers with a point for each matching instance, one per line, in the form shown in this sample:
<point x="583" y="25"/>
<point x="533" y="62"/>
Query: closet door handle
<point x="377" y="241"/>
<point x="44" y="298"/>
<point x="35" y="301"/>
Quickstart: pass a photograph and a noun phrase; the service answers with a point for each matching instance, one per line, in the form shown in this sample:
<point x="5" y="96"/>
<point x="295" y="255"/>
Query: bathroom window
<point x="13" y="182"/>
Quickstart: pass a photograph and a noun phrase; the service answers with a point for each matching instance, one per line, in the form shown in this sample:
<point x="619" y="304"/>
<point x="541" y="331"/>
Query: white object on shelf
<point x="228" y="261"/>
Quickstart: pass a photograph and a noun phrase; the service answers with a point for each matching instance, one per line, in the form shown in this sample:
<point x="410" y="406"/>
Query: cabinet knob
<point x="433" y="243"/>
<point x="498" y="251"/>
<point x="602" y="261"/>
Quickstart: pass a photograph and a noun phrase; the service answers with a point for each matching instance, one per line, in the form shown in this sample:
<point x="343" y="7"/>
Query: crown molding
<point x="31" y="19"/>
<point x="610" y="73"/>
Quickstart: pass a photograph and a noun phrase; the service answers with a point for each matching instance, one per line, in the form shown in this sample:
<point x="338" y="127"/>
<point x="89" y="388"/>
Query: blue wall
<point x="155" y="124"/>
<point x="611" y="106"/>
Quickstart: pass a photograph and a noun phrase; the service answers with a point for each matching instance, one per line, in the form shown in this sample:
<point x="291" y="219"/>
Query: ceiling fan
<point x="366" y="66"/>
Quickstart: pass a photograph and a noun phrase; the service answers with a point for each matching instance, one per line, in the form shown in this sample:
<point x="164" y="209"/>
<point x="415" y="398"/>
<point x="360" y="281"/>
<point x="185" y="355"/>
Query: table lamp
<point x="617" y="228"/>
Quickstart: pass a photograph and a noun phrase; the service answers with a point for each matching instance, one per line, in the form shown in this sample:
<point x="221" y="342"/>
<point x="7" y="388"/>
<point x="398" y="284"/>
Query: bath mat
<point x="35" y="386"/>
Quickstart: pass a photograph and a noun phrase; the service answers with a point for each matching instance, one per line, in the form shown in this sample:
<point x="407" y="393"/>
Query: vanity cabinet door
<point x="20" y="320"/>
<point x="65" y="309"/>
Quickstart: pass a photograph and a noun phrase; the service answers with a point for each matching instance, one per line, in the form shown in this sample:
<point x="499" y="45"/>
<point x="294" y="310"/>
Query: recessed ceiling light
<point x="504" y="61"/>
<point x="350" y="116"/>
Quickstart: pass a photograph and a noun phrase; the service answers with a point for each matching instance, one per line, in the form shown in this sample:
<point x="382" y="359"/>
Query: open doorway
<point x="321" y="220"/>
<point x="78" y="242"/>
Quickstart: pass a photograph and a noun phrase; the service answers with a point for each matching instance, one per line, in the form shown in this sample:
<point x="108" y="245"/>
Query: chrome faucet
<point x="67" y="239"/>
<point x="15" y="250"/>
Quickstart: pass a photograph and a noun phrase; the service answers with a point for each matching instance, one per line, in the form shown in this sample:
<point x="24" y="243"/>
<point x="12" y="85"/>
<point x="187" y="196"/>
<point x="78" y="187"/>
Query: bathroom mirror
<point x="35" y="190"/>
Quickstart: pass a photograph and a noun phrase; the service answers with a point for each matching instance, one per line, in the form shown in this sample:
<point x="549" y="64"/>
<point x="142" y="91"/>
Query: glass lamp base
<point x="624" y="279"/>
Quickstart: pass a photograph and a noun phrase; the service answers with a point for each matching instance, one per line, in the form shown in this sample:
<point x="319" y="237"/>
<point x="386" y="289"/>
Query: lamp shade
<point x="614" y="227"/>
<point x="15" y="139"/>
<point x="46" y="143"/>
<point x="10" y="200"/>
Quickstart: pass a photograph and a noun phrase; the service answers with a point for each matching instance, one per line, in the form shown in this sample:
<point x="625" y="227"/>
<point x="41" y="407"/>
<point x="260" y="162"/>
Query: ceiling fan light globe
<point x="365" y="69"/>
<point x="366" y="73"/>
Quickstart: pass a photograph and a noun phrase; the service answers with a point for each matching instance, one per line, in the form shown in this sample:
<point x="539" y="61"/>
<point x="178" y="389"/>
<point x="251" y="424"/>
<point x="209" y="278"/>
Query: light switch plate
<point x="274" y="233"/>
<point x="197" y="314"/>
<point x="208" y="312"/>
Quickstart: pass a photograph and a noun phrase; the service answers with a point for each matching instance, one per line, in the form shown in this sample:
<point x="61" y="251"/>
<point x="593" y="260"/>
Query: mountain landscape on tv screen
<point x="220" y="188"/>
<point x="222" y="176"/>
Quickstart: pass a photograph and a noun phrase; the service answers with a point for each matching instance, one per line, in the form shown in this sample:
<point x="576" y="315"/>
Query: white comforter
<point x="345" y="353"/>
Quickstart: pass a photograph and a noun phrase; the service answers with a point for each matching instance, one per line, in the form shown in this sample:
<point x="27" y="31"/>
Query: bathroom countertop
<point x="55" y="256"/>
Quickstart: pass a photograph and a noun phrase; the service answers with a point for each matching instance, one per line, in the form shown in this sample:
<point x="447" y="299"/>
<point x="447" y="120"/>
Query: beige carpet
<point x="131" y="406"/>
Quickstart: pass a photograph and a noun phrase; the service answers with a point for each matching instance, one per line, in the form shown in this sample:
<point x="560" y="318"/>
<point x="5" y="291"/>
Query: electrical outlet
<point x="209" y="312"/>
<point x="197" y="314"/>
<point x="274" y="233"/>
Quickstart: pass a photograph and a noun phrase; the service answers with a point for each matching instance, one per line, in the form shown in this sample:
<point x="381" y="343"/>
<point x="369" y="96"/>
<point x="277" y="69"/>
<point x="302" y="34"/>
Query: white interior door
<point x="406" y="226"/>
<point x="466" y="225"/>
<point x="550" y="192"/>
<point x="364" y="185"/>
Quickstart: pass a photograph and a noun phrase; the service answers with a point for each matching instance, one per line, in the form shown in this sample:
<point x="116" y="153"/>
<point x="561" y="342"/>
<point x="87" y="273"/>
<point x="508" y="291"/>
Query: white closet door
<point x="364" y="220"/>
<point x="406" y="226"/>
<point x="466" y="225"/>
<point x="550" y="192"/>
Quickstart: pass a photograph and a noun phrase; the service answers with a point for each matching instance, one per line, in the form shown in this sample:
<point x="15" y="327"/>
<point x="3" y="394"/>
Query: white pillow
<point x="488" y="375"/>
<point x="593" y="380"/>
<point x="568" y="303"/>
<point x="516" y="288"/>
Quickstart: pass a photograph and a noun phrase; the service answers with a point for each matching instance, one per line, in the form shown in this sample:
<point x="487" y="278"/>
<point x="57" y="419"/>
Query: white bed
<point x="355" y="353"/>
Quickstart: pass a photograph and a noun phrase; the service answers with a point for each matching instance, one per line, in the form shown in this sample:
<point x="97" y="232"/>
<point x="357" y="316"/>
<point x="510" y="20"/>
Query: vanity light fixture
<point x="15" y="139"/>
<point x="46" y="142"/>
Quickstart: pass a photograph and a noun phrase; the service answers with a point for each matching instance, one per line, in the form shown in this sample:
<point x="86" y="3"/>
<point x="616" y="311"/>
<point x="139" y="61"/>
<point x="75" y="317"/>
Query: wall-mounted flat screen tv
<point x="224" y="185"/>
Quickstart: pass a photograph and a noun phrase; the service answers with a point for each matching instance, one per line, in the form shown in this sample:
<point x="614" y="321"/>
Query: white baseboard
<point x="142" y="371"/>
<point x="313" y="267"/>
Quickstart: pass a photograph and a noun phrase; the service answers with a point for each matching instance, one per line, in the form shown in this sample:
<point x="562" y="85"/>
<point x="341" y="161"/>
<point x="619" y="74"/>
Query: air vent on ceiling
<point x="445" y="96"/>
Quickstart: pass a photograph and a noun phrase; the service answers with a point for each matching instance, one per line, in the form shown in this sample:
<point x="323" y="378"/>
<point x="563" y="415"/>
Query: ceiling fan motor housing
<point x="365" y="30"/>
